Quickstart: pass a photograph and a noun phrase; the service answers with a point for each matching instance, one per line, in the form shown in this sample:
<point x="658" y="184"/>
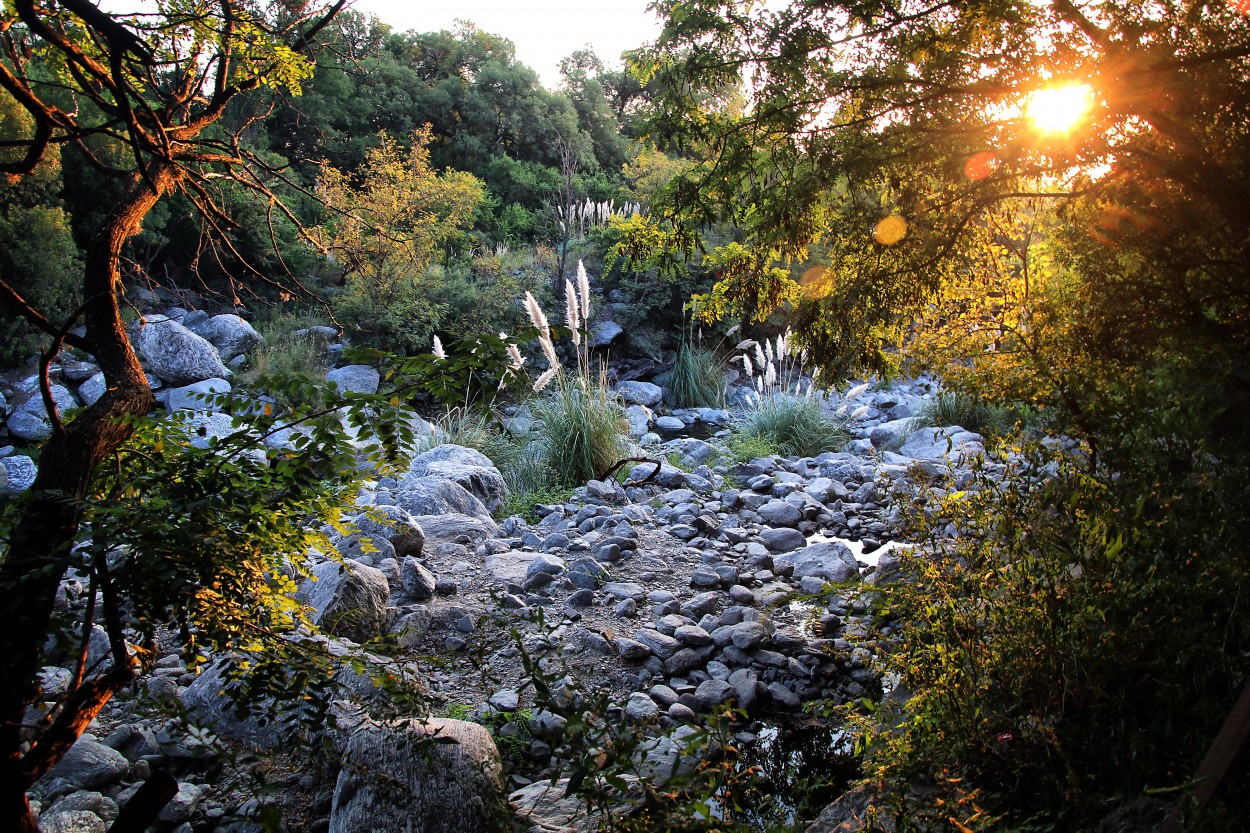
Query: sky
<point x="544" y="31"/>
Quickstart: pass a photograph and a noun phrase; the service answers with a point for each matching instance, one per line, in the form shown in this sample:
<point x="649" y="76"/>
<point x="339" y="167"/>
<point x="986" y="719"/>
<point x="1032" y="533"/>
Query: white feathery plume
<point x="746" y="364"/>
<point x="770" y="374"/>
<point x="759" y="383"/>
<point x="583" y="291"/>
<point x="514" y="353"/>
<point x="570" y="312"/>
<point x="545" y="379"/>
<point x="857" y="391"/>
<point x="841" y="411"/>
<point x="781" y="347"/>
<point x="759" y="356"/>
<point x="747" y="344"/>
<point x="536" y="314"/>
<point x="860" y="412"/>
<point x="768" y="350"/>
<point x="733" y="329"/>
<point x="549" y="350"/>
<point x="439" y="352"/>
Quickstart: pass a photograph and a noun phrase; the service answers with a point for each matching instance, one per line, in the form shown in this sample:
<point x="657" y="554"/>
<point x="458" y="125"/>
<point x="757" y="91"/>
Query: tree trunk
<point x="48" y="527"/>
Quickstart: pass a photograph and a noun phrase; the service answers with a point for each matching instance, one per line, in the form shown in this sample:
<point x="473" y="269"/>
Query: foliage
<point x="796" y="426"/>
<point x="391" y="218"/>
<point x="1044" y="642"/>
<point x="747" y="447"/>
<point x="285" y="355"/>
<point x="966" y="411"/>
<point x="696" y="379"/>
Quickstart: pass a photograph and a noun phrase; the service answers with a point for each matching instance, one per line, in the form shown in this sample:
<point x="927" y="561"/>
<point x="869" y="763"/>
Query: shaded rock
<point x="348" y="600"/>
<point x="230" y="334"/>
<point x="641" y="707"/>
<point x="355" y="378"/>
<point x="406" y="776"/>
<point x="192" y="397"/>
<point x="782" y="540"/>
<point x="456" y="528"/>
<point x="419" y="583"/>
<point x="466" y="467"/>
<point x="91" y="765"/>
<point x="177" y="355"/>
<point x="20" y="473"/>
<point x="433" y="495"/>
<point x="603" y="333"/>
<point x="639" y="393"/>
<point x="92" y="389"/>
<point x="832" y="561"/>
<point x="394" y="524"/>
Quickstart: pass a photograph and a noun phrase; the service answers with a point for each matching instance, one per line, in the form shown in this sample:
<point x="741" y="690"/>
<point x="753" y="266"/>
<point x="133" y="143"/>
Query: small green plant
<point x="744" y="448"/>
<point x="290" y="349"/>
<point x="696" y="380"/>
<point x="966" y="411"/>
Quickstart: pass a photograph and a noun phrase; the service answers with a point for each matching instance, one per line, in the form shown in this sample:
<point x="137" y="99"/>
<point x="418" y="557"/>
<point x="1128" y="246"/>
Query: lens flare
<point x="1059" y="109"/>
<point x="890" y="230"/>
<point x="980" y="165"/>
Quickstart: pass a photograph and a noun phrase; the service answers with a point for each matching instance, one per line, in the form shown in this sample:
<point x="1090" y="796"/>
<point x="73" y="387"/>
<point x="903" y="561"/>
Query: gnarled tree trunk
<point x="40" y="547"/>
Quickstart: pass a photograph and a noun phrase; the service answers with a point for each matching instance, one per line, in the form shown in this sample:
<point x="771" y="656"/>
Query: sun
<point x="1059" y="109"/>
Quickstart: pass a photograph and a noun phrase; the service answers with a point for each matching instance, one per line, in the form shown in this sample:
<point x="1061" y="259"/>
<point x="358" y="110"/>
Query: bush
<point x="696" y="380"/>
<point x="1068" y="650"/>
<point x="794" y="426"/>
<point x="970" y="412"/>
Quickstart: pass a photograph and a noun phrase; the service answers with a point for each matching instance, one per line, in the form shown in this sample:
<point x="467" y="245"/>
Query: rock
<point x="670" y="424"/>
<point x="20" y="471"/>
<point x="952" y="443"/>
<point x="782" y="540"/>
<point x="545" y="564"/>
<point x="890" y="436"/>
<point x="355" y="378"/>
<point x="92" y="389"/>
<point x="784" y="696"/>
<point x="419" y="583"/>
<point x="471" y="469"/>
<point x="780" y="513"/>
<point x="230" y="334"/>
<point x="602" y="333"/>
<point x="691" y="452"/>
<point x="456" y="528"/>
<point x="854" y="811"/>
<point x="661" y="645"/>
<point x="832" y="561"/>
<point x="91" y="765"/>
<point x="713" y="693"/>
<point x="434" y="495"/>
<point x="747" y="636"/>
<point x="511" y="567"/>
<point x="177" y="355"/>
<point x="631" y="649"/>
<point x="639" y="417"/>
<point x="192" y="397"/>
<point x="412" y="626"/>
<point x="29" y="421"/>
<point x="181" y="806"/>
<point x="406" y="776"/>
<point x="640" y="707"/>
<point x="639" y="393"/>
<point x="668" y="476"/>
<point x="744" y="684"/>
<point x="348" y="600"/>
<point x="71" y="821"/>
<point x="395" y="525"/>
<point x="505" y="700"/>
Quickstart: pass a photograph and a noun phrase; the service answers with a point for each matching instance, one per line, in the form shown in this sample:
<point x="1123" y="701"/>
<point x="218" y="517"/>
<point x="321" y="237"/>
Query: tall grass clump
<point x="790" y="416"/>
<point x="583" y="422"/>
<point x="696" y="380"/>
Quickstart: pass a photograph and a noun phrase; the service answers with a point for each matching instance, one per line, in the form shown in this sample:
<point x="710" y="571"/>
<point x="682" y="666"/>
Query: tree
<point x="156" y="86"/>
<point x="861" y="111"/>
<point x="390" y="220"/>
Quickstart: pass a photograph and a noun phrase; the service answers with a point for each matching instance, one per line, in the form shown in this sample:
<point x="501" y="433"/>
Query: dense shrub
<point x="793" y="426"/>
<point x="696" y="380"/>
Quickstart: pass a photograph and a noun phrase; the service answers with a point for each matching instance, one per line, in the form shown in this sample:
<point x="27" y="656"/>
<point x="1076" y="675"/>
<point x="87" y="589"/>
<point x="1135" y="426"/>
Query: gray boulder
<point x="691" y="452"/>
<point x="603" y="333"/>
<point x="91" y="765"/>
<point x="20" y="471"/>
<point x="230" y="334"/>
<point x="639" y="417"/>
<point x="395" y="525"/>
<point x="436" y="495"/>
<point x="177" y="355"/>
<point x="469" y="468"/>
<point x="192" y="397"/>
<point x="639" y="393"/>
<point x="29" y="420"/>
<point x="456" y="528"/>
<point x="355" y="378"/>
<point x="407" y="776"/>
<point x="781" y="540"/>
<point x="348" y="600"/>
<point x="92" y="389"/>
<point x="832" y="561"/>
<point x="952" y="443"/>
<point x="890" y="436"/>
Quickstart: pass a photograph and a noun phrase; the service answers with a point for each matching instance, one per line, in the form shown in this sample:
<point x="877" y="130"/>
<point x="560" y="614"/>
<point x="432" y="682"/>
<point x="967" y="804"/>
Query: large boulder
<point x="832" y="561"/>
<point x="435" y="775"/>
<point x="29" y="420"/>
<point x="395" y="525"/>
<point x="434" y="495"/>
<point x="355" y="378"/>
<point x="465" y="466"/>
<point x="952" y="443"/>
<point x="230" y="334"/>
<point x="348" y="600"/>
<point x="603" y="333"/>
<point x="177" y="355"/>
<point x="91" y="765"/>
<point x="196" y="396"/>
<point x="639" y="393"/>
<point x="890" y="436"/>
<point x="455" y="528"/>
